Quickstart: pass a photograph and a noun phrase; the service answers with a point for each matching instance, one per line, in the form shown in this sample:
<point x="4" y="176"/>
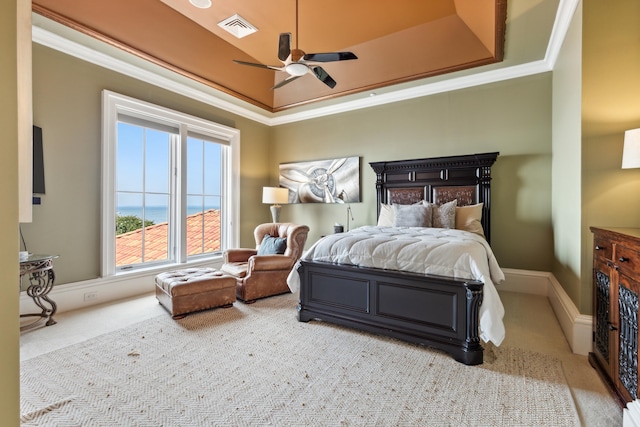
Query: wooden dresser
<point x="616" y="283"/>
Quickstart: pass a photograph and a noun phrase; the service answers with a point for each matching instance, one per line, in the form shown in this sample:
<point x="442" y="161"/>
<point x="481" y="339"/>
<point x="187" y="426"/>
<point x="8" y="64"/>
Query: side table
<point x="39" y="271"/>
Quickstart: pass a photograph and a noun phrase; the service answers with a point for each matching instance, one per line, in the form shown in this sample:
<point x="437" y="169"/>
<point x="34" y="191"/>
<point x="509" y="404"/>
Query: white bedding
<point x="445" y="252"/>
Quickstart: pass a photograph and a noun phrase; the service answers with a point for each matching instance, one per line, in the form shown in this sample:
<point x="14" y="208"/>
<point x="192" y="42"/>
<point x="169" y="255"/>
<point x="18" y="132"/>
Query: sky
<point x="144" y="167"/>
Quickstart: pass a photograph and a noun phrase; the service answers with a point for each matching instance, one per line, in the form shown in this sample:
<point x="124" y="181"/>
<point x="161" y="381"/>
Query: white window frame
<point x="114" y="104"/>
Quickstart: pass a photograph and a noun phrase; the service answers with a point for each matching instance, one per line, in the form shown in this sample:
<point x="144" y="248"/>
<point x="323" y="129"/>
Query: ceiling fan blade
<point x="284" y="46"/>
<point x="322" y="75"/>
<point x="253" y="64"/>
<point x="329" y="56"/>
<point x="285" y="81"/>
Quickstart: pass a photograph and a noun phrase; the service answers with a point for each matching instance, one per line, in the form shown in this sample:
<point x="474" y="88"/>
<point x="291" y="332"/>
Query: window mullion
<point x="144" y="191"/>
<point x="182" y="192"/>
<point x="203" y="196"/>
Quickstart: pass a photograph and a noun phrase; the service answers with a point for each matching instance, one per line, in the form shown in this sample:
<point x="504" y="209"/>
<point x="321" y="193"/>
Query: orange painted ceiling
<point x="395" y="41"/>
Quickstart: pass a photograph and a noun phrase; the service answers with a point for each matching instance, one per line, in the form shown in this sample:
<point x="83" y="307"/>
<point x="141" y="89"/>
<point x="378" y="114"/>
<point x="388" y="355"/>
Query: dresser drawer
<point x="602" y="248"/>
<point x="627" y="259"/>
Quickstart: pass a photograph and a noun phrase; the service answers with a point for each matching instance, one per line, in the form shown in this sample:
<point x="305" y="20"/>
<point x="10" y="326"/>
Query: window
<point x="169" y="186"/>
<point x="204" y="195"/>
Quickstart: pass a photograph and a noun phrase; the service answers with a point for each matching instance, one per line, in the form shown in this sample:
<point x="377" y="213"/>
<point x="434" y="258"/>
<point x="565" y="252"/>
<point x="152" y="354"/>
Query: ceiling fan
<point x="296" y="63"/>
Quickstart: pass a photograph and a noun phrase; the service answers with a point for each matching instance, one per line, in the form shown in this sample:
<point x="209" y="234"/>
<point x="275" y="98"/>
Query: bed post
<point x="473" y="351"/>
<point x="380" y="194"/>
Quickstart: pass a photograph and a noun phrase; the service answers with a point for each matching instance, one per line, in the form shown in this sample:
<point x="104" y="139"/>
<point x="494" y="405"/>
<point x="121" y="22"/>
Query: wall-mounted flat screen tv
<point x="38" y="161"/>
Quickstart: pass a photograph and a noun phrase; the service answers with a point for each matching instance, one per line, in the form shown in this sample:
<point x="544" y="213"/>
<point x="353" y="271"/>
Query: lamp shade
<point x="275" y="195"/>
<point x="631" y="150"/>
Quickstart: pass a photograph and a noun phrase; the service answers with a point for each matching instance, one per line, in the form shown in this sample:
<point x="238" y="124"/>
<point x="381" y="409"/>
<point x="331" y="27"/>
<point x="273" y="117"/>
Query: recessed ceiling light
<point x="202" y="4"/>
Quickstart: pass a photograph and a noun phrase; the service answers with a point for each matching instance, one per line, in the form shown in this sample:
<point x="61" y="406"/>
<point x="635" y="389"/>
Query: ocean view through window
<point x="158" y="214"/>
<point x="144" y="162"/>
<point x="167" y="187"/>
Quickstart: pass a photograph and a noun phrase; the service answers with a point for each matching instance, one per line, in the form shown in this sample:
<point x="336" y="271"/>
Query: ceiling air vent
<point x="237" y="26"/>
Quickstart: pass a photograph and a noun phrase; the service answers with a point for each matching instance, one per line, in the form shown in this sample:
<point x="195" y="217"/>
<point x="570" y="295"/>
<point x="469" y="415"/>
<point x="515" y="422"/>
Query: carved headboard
<point x="438" y="180"/>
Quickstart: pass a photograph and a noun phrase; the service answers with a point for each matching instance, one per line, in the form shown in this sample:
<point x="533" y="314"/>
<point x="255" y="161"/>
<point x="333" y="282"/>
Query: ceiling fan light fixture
<point x="296" y="69"/>
<point x="202" y="4"/>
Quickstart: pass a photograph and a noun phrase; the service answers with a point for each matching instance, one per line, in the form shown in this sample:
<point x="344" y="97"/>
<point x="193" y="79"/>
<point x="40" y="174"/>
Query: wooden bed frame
<point x="436" y="311"/>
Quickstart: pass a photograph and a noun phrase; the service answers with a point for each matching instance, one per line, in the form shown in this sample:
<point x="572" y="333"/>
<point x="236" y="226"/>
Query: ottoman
<point x="193" y="289"/>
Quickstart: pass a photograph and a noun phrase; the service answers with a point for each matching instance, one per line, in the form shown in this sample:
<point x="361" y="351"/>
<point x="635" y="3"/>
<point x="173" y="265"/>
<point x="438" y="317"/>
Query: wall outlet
<point x="90" y="296"/>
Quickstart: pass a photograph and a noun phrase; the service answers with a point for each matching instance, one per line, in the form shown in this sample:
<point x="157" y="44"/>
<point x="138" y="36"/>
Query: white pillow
<point x="469" y="218"/>
<point x="411" y="215"/>
<point x="386" y="217"/>
<point x="443" y="216"/>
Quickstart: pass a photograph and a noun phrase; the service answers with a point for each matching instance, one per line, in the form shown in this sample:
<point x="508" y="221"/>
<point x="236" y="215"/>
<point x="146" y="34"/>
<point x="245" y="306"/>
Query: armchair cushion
<point x="237" y="269"/>
<point x="272" y="245"/>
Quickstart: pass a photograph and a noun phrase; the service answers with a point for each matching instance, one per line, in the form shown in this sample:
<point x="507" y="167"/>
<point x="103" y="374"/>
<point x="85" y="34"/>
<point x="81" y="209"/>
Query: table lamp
<point x="631" y="150"/>
<point x="275" y="195"/>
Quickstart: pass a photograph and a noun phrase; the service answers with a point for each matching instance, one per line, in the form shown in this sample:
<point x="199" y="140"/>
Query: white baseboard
<point x="525" y="282"/>
<point x="73" y="296"/>
<point x="577" y="327"/>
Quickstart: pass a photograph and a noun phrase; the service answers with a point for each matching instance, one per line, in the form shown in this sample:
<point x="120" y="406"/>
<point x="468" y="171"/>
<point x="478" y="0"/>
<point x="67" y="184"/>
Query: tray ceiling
<point x="395" y="42"/>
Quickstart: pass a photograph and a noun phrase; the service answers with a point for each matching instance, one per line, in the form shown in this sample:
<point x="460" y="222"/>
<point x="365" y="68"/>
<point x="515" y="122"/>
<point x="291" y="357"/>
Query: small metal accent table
<point x="39" y="271"/>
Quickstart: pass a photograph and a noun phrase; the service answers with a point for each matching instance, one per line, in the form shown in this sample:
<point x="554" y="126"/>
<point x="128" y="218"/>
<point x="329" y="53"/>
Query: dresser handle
<point x="597" y="248"/>
<point x="623" y="259"/>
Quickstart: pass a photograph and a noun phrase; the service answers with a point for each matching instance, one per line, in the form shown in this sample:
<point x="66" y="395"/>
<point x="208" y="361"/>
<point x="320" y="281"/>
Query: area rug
<point x="257" y="365"/>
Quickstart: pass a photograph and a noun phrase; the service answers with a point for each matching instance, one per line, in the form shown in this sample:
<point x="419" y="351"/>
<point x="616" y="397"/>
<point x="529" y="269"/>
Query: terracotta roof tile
<point x="129" y="245"/>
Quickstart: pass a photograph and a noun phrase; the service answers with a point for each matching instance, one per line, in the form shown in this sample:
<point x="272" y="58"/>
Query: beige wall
<point x="610" y="105"/>
<point x="67" y="105"/>
<point x="566" y="166"/>
<point x="512" y="117"/>
<point x="525" y="119"/>
<point x="532" y="219"/>
<point x="9" y="243"/>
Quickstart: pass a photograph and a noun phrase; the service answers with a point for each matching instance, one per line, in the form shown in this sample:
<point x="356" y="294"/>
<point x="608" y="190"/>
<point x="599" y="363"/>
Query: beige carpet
<point x="257" y="365"/>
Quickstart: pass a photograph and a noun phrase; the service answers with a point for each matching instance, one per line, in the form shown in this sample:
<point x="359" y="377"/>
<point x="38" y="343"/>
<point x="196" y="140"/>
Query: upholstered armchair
<point x="263" y="271"/>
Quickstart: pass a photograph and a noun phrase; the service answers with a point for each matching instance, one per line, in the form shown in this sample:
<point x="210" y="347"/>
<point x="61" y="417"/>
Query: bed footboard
<point x="435" y="311"/>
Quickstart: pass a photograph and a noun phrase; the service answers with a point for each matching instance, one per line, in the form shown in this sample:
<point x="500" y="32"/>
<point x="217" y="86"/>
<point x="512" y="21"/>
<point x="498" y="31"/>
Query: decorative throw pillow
<point x="411" y="215"/>
<point x="272" y="245"/>
<point x="469" y="218"/>
<point x="386" y="217"/>
<point x="443" y="216"/>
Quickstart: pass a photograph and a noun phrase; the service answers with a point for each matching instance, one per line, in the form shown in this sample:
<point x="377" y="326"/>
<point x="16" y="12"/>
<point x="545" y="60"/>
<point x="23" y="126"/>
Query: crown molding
<point x="72" y="48"/>
<point x="448" y="85"/>
<point x="566" y="10"/>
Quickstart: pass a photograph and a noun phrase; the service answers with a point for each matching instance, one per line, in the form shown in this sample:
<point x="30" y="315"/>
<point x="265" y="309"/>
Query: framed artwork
<point x="322" y="181"/>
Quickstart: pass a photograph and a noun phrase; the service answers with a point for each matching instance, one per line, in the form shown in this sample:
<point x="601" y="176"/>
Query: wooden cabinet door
<point x="604" y="344"/>
<point x="627" y="342"/>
